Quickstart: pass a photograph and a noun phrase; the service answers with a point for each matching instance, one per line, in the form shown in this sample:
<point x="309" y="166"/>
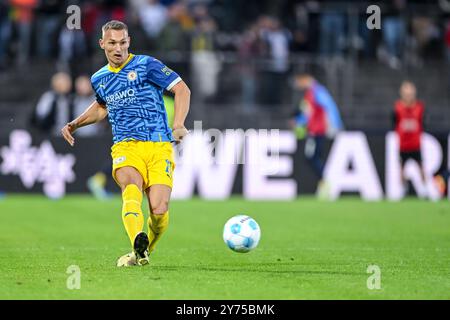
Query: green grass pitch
<point x="308" y="250"/>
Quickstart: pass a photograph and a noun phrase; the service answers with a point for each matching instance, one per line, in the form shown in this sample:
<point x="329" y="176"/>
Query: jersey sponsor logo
<point x="119" y="160"/>
<point x="121" y="98"/>
<point x="132" y="75"/>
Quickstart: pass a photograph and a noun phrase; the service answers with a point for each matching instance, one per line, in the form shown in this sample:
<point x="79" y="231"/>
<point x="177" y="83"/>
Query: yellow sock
<point x="132" y="216"/>
<point x="157" y="225"/>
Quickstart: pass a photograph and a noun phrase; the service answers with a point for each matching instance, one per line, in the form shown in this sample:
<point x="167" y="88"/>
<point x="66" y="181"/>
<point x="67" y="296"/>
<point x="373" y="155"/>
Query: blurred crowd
<point x="195" y="36"/>
<point x="62" y="102"/>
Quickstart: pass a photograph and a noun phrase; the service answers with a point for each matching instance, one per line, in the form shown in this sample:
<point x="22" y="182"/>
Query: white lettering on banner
<point x="431" y="159"/>
<point x="213" y="165"/>
<point x="351" y="148"/>
<point x="34" y="164"/>
<point x="215" y="174"/>
<point x="259" y="166"/>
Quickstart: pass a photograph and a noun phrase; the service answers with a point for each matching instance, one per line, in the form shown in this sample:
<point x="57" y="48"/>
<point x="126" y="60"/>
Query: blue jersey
<point x="133" y="95"/>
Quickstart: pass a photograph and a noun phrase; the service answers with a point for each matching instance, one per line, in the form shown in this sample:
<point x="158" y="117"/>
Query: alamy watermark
<point x="212" y="146"/>
<point x="73" y="21"/>
<point x="374" y="20"/>
<point x="374" y="280"/>
<point x="74" y="278"/>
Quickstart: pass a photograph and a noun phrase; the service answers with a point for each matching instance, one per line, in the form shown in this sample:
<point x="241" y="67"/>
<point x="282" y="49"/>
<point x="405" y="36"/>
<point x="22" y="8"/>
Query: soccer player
<point x="316" y="117"/>
<point x="129" y="90"/>
<point x="97" y="182"/>
<point x="408" y="121"/>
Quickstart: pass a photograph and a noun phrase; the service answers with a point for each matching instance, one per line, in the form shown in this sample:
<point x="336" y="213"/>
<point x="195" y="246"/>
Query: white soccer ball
<point x="241" y="233"/>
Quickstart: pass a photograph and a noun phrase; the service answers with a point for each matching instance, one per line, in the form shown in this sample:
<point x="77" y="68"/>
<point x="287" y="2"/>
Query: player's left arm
<point x="181" y="109"/>
<point x="166" y="78"/>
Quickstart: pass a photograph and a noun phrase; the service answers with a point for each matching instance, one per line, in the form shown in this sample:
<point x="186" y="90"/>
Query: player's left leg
<point x="158" y="196"/>
<point x="130" y="173"/>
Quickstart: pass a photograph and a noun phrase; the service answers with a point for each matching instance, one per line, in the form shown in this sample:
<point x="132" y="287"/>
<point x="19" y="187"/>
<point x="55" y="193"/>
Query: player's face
<point x="302" y="83"/>
<point x="408" y="92"/>
<point x="116" y="44"/>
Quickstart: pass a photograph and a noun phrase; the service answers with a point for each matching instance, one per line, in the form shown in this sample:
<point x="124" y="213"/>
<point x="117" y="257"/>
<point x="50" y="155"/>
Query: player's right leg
<point x="158" y="196"/>
<point x="160" y="187"/>
<point x="131" y="181"/>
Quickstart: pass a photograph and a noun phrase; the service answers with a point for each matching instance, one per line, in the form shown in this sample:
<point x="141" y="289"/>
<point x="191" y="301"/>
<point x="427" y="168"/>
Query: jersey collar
<point x="116" y="70"/>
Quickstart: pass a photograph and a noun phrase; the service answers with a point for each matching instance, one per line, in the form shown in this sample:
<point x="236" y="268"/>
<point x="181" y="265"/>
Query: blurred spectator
<point x="168" y="3"/>
<point x="174" y="39"/>
<point x="73" y="51"/>
<point x="425" y="34"/>
<point x="276" y="41"/>
<point x="84" y="96"/>
<point x="112" y="10"/>
<point x="332" y="32"/>
<point x="5" y="32"/>
<point x="174" y="35"/>
<point x="249" y="49"/>
<point x="53" y="110"/>
<point x="447" y="41"/>
<point x="23" y="17"/>
<point x="300" y="28"/>
<point x="204" y="61"/>
<point x="394" y="32"/>
<point x="89" y="24"/>
<point x="102" y="12"/>
<point x="153" y="17"/>
<point x="317" y="116"/>
<point x="49" y="16"/>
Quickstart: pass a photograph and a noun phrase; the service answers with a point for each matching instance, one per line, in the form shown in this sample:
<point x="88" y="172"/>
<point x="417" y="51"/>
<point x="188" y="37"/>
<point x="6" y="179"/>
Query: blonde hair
<point x="114" y="25"/>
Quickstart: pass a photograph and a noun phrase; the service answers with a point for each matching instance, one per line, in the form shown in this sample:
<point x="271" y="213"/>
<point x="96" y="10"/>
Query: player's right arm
<point x="94" y="113"/>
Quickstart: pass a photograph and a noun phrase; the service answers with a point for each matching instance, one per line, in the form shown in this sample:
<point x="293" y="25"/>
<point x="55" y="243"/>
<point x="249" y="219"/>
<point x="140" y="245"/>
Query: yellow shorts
<point x="153" y="160"/>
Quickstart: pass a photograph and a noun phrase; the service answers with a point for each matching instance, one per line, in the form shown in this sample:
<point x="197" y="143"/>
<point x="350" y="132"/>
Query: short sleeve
<point x="161" y="75"/>
<point x="98" y="98"/>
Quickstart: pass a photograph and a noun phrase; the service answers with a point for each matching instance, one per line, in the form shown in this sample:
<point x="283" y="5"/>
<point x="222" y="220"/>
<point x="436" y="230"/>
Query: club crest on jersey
<point x="132" y="75"/>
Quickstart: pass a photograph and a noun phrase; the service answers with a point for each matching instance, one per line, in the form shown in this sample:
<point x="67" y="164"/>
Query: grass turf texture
<point x="308" y="250"/>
